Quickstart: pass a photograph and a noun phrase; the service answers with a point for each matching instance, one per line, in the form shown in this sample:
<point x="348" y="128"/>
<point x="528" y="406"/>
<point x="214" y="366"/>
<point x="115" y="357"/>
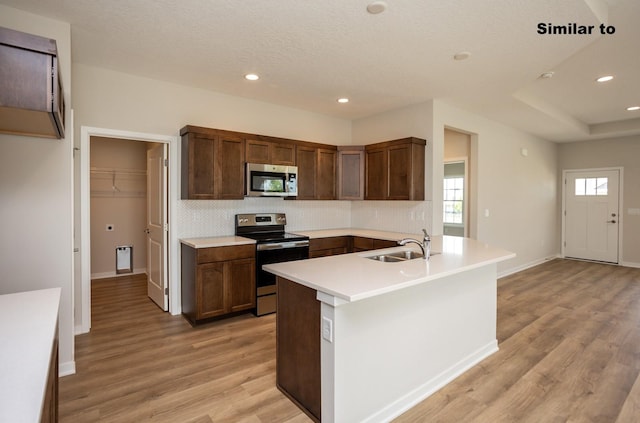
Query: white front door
<point x="592" y="215"/>
<point x="156" y="226"/>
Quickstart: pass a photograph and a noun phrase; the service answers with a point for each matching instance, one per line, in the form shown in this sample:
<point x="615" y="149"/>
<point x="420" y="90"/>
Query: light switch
<point x="327" y="329"/>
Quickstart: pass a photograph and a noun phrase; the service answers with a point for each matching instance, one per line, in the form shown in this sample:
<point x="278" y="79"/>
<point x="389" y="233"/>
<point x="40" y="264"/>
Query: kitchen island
<point x="364" y="340"/>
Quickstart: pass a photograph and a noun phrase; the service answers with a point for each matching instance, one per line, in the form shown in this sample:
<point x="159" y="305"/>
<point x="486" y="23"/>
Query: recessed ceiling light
<point x="633" y="108"/>
<point x="463" y="55"/>
<point x="376" y="7"/>
<point x="343" y="100"/>
<point x="546" y="75"/>
<point x="251" y="77"/>
<point x="605" y="78"/>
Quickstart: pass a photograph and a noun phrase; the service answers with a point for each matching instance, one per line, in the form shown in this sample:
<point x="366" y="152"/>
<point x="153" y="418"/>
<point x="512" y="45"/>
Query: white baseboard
<point x="526" y="266"/>
<point x="67" y="368"/>
<point x="431" y="386"/>
<point x="629" y="264"/>
<point x="113" y="274"/>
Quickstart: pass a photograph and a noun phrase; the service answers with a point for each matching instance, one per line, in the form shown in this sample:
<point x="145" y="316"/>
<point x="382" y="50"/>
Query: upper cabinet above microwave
<point x="31" y="95"/>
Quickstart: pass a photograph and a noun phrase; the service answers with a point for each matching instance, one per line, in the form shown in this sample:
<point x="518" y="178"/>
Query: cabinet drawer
<point x="209" y="255"/>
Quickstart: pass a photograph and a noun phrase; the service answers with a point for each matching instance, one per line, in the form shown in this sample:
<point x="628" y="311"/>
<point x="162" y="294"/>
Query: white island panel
<point x="392" y="351"/>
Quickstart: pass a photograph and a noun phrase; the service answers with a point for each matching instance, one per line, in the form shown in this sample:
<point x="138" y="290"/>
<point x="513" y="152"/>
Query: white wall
<point x="519" y="192"/>
<point x="398" y="216"/>
<point x="36" y="198"/>
<point x="118" y="101"/>
<point x="617" y="152"/>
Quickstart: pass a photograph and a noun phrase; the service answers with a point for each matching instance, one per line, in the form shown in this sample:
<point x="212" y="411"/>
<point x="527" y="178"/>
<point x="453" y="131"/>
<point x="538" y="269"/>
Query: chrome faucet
<point x="425" y="245"/>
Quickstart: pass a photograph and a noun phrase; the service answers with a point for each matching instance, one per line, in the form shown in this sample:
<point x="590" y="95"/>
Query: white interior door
<point x="157" y="226"/>
<point x="592" y="215"/>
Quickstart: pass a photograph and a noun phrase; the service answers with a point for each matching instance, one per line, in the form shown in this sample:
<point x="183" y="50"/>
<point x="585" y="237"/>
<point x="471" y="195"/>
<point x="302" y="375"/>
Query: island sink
<point x="399" y="256"/>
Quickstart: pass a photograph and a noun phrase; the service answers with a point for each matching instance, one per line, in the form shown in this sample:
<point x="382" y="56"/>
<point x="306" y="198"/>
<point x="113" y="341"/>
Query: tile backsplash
<point x="203" y="218"/>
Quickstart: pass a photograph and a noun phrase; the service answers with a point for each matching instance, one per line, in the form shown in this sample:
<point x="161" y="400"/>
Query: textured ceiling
<point x="310" y="53"/>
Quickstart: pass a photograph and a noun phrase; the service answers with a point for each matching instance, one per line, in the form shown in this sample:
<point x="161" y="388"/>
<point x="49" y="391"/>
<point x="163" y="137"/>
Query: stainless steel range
<point x="273" y="245"/>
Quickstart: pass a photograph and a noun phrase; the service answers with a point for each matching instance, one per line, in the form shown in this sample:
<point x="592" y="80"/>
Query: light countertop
<point x="219" y="241"/>
<point x="353" y="277"/>
<point x="226" y="241"/>
<point x="28" y="323"/>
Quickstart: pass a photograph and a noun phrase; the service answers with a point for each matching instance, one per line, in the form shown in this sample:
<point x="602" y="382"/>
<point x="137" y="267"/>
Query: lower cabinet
<point x="217" y="281"/>
<point x="323" y="247"/>
<point x="330" y="246"/>
<point x="366" y="244"/>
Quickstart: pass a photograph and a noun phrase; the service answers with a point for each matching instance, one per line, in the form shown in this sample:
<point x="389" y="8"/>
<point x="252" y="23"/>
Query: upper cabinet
<point x="316" y="172"/>
<point x="350" y="172"/>
<point x="270" y="152"/>
<point x="395" y="170"/>
<point x="31" y="95"/>
<point x="212" y="164"/>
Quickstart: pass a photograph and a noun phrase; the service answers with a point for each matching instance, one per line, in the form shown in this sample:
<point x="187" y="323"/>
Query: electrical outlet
<point x="109" y="228"/>
<point x="327" y="329"/>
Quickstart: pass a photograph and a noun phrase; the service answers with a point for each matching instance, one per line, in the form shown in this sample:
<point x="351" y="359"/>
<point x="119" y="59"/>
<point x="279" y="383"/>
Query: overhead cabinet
<point x="395" y="170"/>
<point x="350" y="173"/>
<point x="31" y="94"/>
<point x="270" y="152"/>
<point x="316" y="172"/>
<point x="212" y="165"/>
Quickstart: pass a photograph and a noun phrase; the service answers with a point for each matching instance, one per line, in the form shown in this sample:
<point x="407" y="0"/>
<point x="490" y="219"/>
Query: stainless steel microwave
<point x="271" y="180"/>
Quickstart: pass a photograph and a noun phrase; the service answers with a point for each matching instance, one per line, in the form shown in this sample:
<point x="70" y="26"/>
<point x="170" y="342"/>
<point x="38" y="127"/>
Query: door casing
<point x="83" y="325"/>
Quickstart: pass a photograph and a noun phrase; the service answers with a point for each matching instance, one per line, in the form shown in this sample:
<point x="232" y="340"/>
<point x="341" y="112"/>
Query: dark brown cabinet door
<point x="212" y="166"/>
<point x="376" y="174"/>
<point x="283" y="154"/>
<point x="323" y="247"/>
<point x="229" y="168"/>
<point x="395" y="170"/>
<point x="197" y="166"/>
<point x="306" y="160"/>
<point x="326" y="176"/>
<point x="211" y="291"/>
<point x="242" y="284"/>
<point x="257" y="151"/>
<point x="270" y="152"/>
<point x="399" y="167"/>
<point x="350" y="177"/>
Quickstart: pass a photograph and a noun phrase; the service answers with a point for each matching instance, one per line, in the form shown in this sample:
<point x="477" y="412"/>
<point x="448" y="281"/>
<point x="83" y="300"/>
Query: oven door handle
<point x="282" y="245"/>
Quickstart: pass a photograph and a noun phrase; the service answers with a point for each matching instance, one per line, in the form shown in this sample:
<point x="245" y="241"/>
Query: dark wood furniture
<point x="366" y="244"/>
<point x="51" y="398"/>
<point x="298" y="346"/>
<point x="330" y="246"/>
<point x="395" y="170"/>
<point x="270" y="152"/>
<point x="323" y="247"/>
<point x="31" y="94"/>
<point x="316" y="172"/>
<point x="217" y="281"/>
<point x="350" y="173"/>
<point x="212" y="164"/>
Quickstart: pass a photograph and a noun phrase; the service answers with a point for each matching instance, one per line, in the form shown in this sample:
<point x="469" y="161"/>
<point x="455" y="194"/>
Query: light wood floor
<point x="568" y="332"/>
